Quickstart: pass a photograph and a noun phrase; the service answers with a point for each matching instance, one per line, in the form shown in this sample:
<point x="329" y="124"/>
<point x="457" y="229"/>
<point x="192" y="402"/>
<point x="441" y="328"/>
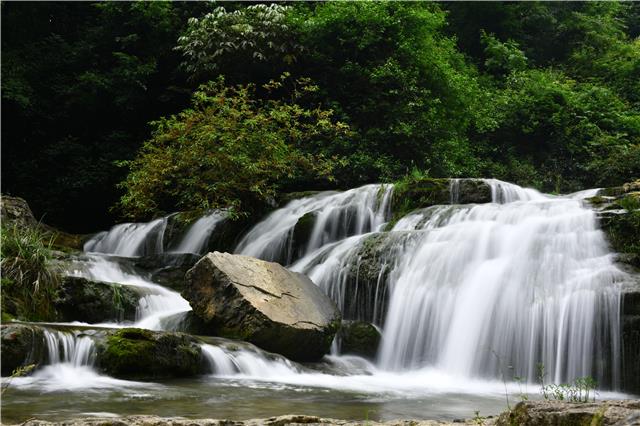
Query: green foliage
<point x="545" y="94"/>
<point x="28" y="279"/>
<point x="581" y="390"/>
<point x="231" y="150"/>
<point x="234" y="42"/>
<point x="502" y="58"/>
<point x="390" y="72"/>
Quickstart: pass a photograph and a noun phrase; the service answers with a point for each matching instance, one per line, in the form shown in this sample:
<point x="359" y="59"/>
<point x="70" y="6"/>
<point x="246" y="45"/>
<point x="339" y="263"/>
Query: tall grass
<point x="28" y="279"/>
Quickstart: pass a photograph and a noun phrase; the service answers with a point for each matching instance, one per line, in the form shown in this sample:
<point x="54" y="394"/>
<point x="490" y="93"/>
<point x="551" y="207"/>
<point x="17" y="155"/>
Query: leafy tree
<point x="230" y="150"/>
<point x="239" y="43"/>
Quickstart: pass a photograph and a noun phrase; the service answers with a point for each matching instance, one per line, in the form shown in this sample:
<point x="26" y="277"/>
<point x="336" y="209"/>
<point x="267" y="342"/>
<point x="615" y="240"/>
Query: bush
<point x="29" y="282"/>
<point x="231" y="150"/>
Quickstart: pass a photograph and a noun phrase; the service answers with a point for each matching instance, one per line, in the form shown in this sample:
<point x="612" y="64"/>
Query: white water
<point x="515" y="284"/>
<point x="198" y="234"/>
<point x="464" y="292"/>
<point x="130" y="239"/>
<point x="156" y="302"/>
<point x="337" y="215"/>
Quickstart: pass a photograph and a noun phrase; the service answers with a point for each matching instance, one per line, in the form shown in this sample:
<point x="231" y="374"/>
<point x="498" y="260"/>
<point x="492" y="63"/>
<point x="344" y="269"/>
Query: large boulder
<point x="89" y="301"/>
<point x="21" y="345"/>
<point x="244" y="298"/>
<point x="145" y="354"/>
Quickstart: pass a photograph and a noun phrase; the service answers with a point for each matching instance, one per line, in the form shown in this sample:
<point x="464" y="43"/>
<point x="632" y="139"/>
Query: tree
<point x="230" y="150"/>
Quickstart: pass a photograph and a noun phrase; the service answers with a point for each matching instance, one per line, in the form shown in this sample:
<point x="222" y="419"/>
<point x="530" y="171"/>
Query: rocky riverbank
<point x="527" y="413"/>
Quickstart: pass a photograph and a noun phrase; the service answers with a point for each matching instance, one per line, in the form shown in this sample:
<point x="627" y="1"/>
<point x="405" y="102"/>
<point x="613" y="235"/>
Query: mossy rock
<point x="418" y="193"/>
<point x="89" y="301"/>
<point x="143" y="354"/>
<point x="21" y="345"/>
<point x="359" y="338"/>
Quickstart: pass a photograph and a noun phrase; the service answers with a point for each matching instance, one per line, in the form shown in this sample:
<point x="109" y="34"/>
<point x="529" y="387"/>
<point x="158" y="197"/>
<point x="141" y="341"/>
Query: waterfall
<point x="130" y="239"/>
<point x="156" y="303"/>
<point x="195" y="239"/>
<point x="247" y="362"/>
<point x="334" y="215"/>
<point x="527" y="279"/>
<point x="69" y="349"/>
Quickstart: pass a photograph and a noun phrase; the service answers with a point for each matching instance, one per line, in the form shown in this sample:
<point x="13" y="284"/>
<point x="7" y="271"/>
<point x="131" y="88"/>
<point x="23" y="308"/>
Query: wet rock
<point x="425" y="192"/>
<point x="21" y="345"/>
<point x="559" y="413"/>
<point x="167" y="269"/>
<point x="144" y="354"/>
<point x="263" y="303"/>
<point x="359" y="338"/>
<point x="630" y="322"/>
<point x="301" y="233"/>
<point x="89" y="301"/>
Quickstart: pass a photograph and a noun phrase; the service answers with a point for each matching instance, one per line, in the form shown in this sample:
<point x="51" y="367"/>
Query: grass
<point x="29" y="282"/>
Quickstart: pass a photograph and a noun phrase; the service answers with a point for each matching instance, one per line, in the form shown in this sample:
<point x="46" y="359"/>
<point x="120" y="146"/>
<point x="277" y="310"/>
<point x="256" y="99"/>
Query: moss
<point x="136" y="353"/>
<point x="359" y="338"/>
<point x="417" y="192"/>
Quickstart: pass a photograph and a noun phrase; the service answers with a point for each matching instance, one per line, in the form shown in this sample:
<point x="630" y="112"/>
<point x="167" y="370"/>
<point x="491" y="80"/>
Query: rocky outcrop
<point x="630" y="322"/>
<point x="559" y="413"/>
<point x="89" y="301"/>
<point x="16" y="211"/>
<point x="359" y="338"/>
<point x="419" y="193"/>
<point x="21" y="345"/>
<point x="263" y="303"/>
<point x="618" y="212"/>
<point x="144" y="354"/>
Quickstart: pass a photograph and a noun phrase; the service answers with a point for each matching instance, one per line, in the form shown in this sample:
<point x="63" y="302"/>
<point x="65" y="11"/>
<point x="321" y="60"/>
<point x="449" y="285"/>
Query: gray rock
<point x="244" y="298"/>
<point x="560" y="413"/>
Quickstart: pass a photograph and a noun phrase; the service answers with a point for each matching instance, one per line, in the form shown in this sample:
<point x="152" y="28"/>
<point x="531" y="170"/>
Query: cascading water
<point x="524" y="282"/>
<point x="130" y="239"/>
<point x="334" y="215"/>
<point x="461" y="292"/>
<point x="156" y="302"/>
<point x="195" y="239"/>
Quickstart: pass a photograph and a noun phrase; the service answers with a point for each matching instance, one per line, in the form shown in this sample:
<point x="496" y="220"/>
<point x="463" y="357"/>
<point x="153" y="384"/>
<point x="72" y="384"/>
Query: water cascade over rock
<point x="447" y="287"/>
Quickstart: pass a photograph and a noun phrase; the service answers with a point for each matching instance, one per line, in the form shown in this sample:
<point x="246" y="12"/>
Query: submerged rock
<point x="145" y="354"/>
<point x="89" y="301"/>
<point x="359" y="338"/>
<point x="21" y="345"/>
<point x="244" y="298"/>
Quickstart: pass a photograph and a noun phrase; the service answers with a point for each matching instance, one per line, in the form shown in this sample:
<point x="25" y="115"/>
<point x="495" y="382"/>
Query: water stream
<point x="467" y="296"/>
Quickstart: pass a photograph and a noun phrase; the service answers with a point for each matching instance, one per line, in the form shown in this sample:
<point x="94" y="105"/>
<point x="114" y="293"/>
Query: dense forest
<point x="118" y="109"/>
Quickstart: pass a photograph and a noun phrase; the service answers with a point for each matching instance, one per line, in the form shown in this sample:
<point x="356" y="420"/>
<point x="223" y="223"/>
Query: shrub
<point x="28" y="280"/>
